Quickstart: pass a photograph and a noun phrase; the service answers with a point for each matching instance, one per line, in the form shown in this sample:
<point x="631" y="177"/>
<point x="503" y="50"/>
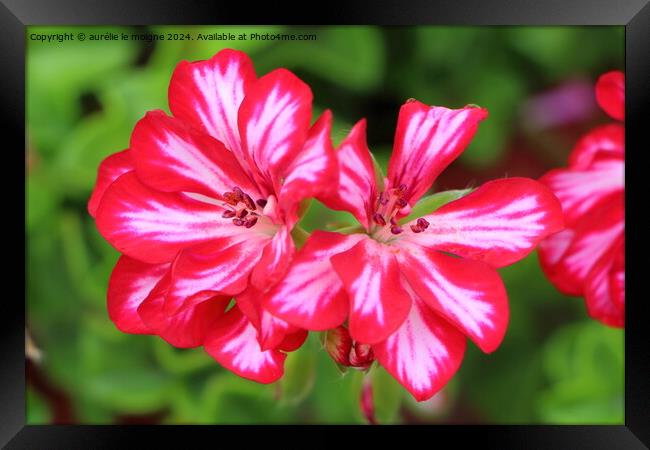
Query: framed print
<point x="416" y="214"/>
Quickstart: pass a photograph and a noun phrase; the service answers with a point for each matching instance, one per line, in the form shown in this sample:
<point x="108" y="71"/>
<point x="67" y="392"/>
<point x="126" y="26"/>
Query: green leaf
<point x="299" y="374"/>
<point x="299" y="236"/>
<point x="430" y="203"/>
<point x="387" y="395"/>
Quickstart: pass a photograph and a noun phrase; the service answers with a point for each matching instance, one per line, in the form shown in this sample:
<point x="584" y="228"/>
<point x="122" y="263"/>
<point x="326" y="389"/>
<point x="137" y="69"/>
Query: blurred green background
<point x="83" y="99"/>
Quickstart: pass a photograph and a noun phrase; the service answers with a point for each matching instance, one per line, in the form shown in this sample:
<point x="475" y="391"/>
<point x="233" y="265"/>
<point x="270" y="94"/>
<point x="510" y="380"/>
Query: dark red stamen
<point x="393" y="221"/>
<point x="401" y="202"/>
<point x="227" y="214"/>
<point x="423" y="223"/>
<point x="396" y="229"/>
<point x="416" y="229"/>
<point x="261" y="202"/>
<point x="248" y="201"/>
<point x="243" y="213"/>
<point x="379" y="219"/>
<point x="250" y="222"/>
<point x="402" y="188"/>
<point x="238" y="222"/>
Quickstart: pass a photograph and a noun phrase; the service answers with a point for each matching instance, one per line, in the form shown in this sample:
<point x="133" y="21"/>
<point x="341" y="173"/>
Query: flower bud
<point x="345" y="351"/>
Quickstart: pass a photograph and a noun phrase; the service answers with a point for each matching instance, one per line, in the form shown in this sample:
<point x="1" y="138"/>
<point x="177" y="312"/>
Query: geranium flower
<point x="414" y="287"/>
<point x="587" y="259"/>
<point x="202" y="205"/>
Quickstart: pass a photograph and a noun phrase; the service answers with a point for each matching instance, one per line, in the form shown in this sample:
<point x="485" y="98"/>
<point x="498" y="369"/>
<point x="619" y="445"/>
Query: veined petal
<point x="130" y="283"/>
<point x="601" y="304"/>
<point x="275" y="260"/>
<point x="313" y="172"/>
<point x="610" y="94"/>
<point x="222" y="265"/>
<point x="469" y="294"/>
<point x="617" y="276"/>
<point x="153" y="226"/>
<point x="311" y="294"/>
<point x="357" y="188"/>
<point x="427" y="140"/>
<point x="579" y="190"/>
<point x="109" y="170"/>
<point x="424" y="353"/>
<point x="170" y="156"/>
<point x="550" y="252"/>
<point x="185" y="329"/>
<point x="499" y="223"/>
<point x="371" y="277"/>
<point x="273" y="123"/>
<point x="594" y="235"/>
<point x="606" y="141"/>
<point x="233" y="343"/>
<point x="207" y="94"/>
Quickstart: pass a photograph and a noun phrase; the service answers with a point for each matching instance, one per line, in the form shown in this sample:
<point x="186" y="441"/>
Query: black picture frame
<point x="15" y="15"/>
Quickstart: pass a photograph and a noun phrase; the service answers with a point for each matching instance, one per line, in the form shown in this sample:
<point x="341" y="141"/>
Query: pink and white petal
<point x="579" y="190"/>
<point x="275" y="260"/>
<point x="469" y="294"/>
<point x="427" y="140"/>
<point x="617" y="277"/>
<point x="594" y="235"/>
<point x="171" y="156"/>
<point x="273" y="123"/>
<point x="424" y="353"/>
<point x="208" y="94"/>
<point x="109" y="170"/>
<point x="222" y="265"/>
<point x="610" y="94"/>
<point x="605" y="141"/>
<point x="186" y="329"/>
<point x="233" y="343"/>
<point x="499" y="223"/>
<point x="357" y="187"/>
<point x="378" y="302"/>
<point x="598" y="291"/>
<point x="130" y="283"/>
<point x="313" y="172"/>
<point x="153" y="226"/>
<point x="550" y="252"/>
<point x="311" y="294"/>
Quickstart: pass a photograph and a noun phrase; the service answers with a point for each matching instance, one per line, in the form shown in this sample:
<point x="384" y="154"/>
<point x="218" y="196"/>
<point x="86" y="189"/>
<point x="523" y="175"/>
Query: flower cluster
<point x="587" y="258"/>
<point x="204" y="203"/>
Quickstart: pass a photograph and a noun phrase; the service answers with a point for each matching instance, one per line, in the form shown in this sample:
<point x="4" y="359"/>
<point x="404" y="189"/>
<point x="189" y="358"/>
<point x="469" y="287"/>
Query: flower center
<point x="389" y="204"/>
<point x="241" y="208"/>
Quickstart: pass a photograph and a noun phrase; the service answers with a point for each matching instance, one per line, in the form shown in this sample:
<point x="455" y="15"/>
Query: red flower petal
<point x="470" y="294"/>
<point x="579" y="190"/>
<point x="424" y="353"/>
<point x="273" y="123"/>
<point x="207" y="95"/>
<point x="550" y="252"/>
<point x="311" y="294"/>
<point x="594" y="235"/>
<point x="313" y="172"/>
<point x="109" y="170"/>
<point x="171" y="157"/>
<point x="427" y="139"/>
<point x="233" y="343"/>
<point x="275" y="260"/>
<point x="610" y="94"/>
<point x="153" y="226"/>
<point x="293" y="341"/>
<point x="604" y="141"/>
<point x="221" y="266"/>
<point x="601" y="304"/>
<point x="499" y="223"/>
<point x="378" y="302"/>
<point x="185" y="329"/>
<point x="130" y="283"/>
<point x="357" y="188"/>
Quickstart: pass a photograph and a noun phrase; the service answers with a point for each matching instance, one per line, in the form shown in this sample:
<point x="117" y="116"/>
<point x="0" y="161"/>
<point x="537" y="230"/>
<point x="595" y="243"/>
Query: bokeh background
<point x="83" y="99"/>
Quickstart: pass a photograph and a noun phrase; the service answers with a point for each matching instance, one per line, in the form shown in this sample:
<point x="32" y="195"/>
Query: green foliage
<point x="83" y="99"/>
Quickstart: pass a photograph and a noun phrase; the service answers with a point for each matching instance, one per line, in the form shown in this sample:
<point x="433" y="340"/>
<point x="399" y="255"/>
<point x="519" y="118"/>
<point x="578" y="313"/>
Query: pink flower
<point x="587" y="259"/>
<point x="202" y="205"/>
<point x="414" y="289"/>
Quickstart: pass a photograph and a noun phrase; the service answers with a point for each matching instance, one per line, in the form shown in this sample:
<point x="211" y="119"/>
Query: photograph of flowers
<point x="325" y="225"/>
